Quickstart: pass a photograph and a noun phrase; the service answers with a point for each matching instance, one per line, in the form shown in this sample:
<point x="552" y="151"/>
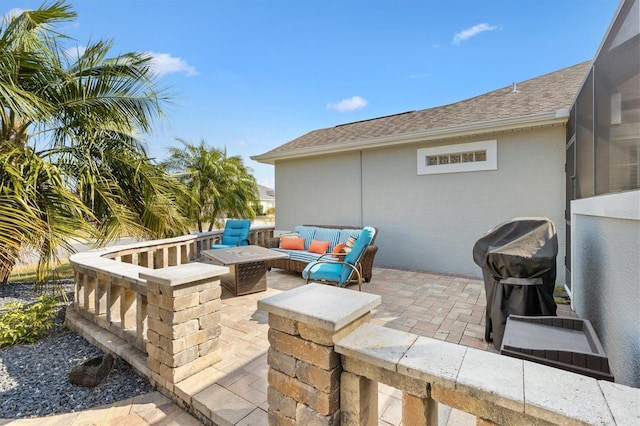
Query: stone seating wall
<point x="326" y="360"/>
<point x="157" y="307"/>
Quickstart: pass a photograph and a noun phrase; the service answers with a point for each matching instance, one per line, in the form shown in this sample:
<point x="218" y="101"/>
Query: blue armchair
<point x="236" y="233"/>
<point x="344" y="271"/>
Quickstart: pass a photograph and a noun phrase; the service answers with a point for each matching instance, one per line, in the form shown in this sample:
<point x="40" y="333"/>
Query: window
<point x="464" y="157"/>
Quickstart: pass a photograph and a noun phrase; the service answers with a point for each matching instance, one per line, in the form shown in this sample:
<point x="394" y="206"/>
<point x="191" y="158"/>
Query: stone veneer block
<point x="572" y="396"/>
<point x="173" y="360"/>
<point x="194" y="312"/>
<point x="173" y="303"/>
<point x="286" y="325"/>
<point x="176" y="331"/>
<point x="306" y="416"/>
<point x="322" y="402"/>
<point x="376" y="345"/>
<point x="324" y="306"/>
<point x="492" y="378"/>
<point x="433" y="361"/>
<point x="182" y="274"/>
<point x="623" y="401"/>
<point x="321" y="356"/>
<point x="278" y="418"/>
<point x="210" y="320"/>
<point x="193" y="339"/>
<point x="178" y="374"/>
<point x="319" y="378"/>
<point x="282" y="362"/>
<point x="210" y="294"/>
<point x="281" y="402"/>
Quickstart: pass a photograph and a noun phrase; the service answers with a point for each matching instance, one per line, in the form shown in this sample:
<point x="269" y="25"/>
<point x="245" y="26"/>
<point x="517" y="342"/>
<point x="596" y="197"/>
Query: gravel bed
<point x="34" y="378"/>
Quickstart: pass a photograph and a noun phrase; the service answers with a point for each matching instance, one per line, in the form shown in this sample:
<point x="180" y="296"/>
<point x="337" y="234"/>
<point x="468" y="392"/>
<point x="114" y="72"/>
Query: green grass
<point x="28" y="272"/>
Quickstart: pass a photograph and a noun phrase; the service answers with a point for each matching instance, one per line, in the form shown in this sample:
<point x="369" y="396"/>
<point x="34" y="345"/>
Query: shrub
<point x="20" y="324"/>
<point x="259" y="209"/>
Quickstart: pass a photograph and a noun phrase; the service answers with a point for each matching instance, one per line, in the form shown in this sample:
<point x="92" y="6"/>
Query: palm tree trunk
<point x="8" y="257"/>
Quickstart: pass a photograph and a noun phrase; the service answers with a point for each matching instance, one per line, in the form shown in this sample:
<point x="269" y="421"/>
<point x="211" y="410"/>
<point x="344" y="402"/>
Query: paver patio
<point x="443" y="307"/>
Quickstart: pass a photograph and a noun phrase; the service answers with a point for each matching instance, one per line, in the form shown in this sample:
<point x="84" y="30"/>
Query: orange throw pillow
<point x="319" y="247"/>
<point x="338" y="248"/>
<point x="292" y="243"/>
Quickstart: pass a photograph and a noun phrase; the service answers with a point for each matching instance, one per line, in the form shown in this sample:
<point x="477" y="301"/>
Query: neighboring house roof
<point x="265" y="193"/>
<point x="536" y="102"/>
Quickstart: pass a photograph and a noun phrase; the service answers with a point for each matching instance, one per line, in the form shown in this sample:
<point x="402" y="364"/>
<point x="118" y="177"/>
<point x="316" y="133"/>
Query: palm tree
<point x="221" y="186"/>
<point x="72" y="164"/>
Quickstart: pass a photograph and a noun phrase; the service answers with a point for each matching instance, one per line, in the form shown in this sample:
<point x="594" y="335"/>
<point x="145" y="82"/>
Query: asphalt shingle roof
<point x="547" y="93"/>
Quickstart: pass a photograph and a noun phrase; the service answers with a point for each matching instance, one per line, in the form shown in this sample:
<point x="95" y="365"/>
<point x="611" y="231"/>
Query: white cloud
<point x="12" y="14"/>
<point x="350" y="104"/>
<point x="75" y="52"/>
<point x="473" y="31"/>
<point x="161" y="63"/>
<point x="164" y="63"/>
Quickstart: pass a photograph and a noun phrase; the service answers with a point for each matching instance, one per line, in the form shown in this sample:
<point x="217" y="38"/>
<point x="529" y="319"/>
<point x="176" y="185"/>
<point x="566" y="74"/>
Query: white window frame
<point x="491" y="163"/>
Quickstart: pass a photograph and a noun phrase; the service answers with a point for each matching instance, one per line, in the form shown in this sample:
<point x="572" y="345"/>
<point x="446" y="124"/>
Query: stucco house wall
<point x="322" y="191"/>
<point x="428" y="222"/>
<point x="606" y="276"/>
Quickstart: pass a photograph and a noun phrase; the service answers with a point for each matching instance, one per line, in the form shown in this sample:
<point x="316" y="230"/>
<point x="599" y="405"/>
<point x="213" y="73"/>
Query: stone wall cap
<point x="622" y="401"/>
<point x="433" y="361"/>
<point x="185" y="273"/>
<point x="493" y="378"/>
<point x="324" y="306"/>
<point x="558" y="396"/>
<point x="376" y="345"/>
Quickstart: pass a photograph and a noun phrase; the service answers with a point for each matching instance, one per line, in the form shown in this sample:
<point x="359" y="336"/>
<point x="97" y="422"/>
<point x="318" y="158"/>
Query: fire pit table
<point x="247" y="267"/>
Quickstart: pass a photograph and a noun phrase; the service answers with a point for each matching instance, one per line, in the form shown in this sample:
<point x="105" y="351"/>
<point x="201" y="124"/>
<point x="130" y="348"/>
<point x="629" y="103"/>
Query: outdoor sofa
<point x="334" y="234"/>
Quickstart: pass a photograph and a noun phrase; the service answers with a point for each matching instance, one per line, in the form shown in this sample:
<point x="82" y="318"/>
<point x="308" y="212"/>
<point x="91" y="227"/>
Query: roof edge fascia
<point x="535" y="120"/>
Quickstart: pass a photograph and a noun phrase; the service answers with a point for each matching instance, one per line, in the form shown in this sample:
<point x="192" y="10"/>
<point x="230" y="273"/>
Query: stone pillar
<point x="89" y="294"/>
<point x="419" y="411"/>
<point x="304" y="368"/>
<point x="183" y="305"/>
<point x="358" y="400"/>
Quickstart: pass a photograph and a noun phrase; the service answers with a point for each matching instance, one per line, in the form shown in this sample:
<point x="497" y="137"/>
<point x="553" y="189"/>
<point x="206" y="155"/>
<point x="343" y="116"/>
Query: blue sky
<point x="252" y="75"/>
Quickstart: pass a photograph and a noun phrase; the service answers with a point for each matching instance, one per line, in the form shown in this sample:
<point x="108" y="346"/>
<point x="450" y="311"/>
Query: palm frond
<point x="72" y="161"/>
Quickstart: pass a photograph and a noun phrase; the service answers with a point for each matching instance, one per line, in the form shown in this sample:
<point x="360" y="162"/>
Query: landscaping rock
<point x="90" y="373"/>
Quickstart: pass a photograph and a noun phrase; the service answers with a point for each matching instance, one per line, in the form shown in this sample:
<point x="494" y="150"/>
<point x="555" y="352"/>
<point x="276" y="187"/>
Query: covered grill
<point x="518" y="261"/>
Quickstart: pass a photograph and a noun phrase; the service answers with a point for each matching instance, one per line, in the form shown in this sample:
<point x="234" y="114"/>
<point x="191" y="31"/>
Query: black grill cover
<point x="518" y="261"/>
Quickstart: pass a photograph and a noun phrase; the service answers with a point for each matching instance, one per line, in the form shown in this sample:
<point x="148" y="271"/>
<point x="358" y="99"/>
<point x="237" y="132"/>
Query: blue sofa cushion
<point x="328" y="234"/>
<point x="306" y="232"/>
